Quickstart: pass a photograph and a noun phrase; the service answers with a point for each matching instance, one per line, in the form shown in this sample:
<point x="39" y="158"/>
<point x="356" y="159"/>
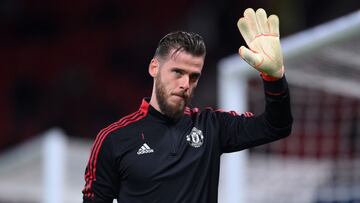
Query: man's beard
<point x="171" y="110"/>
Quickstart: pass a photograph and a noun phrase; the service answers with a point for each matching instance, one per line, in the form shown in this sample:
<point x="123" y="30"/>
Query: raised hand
<point x="261" y="34"/>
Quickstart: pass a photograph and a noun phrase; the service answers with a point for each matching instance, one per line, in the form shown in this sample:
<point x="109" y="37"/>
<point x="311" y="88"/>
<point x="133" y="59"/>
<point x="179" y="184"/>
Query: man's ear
<point x="154" y="67"/>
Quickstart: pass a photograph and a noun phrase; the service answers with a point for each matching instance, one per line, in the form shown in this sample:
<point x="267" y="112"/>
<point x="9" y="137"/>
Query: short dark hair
<point x="189" y="42"/>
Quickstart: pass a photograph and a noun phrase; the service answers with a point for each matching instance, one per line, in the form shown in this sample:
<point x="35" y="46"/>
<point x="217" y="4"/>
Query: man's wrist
<point x="275" y="87"/>
<point x="267" y="77"/>
<point x="276" y="76"/>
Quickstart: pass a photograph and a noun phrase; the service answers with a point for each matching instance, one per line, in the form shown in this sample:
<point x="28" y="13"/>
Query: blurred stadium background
<point x="68" y="68"/>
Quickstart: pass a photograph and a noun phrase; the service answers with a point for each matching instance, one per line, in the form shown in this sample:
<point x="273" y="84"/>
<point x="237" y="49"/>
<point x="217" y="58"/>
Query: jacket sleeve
<point x="101" y="179"/>
<point x="239" y="132"/>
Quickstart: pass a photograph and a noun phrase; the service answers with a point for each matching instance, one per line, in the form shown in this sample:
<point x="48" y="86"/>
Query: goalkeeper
<point x="167" y="152"/>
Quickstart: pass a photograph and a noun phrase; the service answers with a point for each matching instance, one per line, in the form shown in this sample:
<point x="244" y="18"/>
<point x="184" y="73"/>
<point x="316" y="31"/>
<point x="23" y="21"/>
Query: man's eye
<point x="194" y="77"/>
<point x="177" y="72"/>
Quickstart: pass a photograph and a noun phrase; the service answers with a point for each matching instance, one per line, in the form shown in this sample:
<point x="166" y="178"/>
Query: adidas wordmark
<point x="145" y="149"/>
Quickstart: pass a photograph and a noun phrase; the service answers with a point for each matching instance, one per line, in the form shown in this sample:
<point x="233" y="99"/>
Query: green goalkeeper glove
<point x="261" y="34"/>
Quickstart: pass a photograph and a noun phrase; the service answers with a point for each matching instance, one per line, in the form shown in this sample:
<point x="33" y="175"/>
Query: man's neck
<point x="153" y="102"/>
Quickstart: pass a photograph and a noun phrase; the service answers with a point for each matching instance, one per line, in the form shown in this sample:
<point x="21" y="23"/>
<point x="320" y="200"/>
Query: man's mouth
<point x="183" y="96"/>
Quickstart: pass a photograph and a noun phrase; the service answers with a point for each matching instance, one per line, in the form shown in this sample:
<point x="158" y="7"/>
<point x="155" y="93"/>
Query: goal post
<point x="231" y="96"/>
<point x="233" y="82"/>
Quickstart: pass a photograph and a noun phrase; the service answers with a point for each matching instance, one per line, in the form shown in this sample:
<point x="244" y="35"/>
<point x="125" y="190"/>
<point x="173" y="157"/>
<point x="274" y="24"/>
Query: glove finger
<point x="261" y="20"/>
<point x="273" y="21"/>
<point x="245" y="31"/>
<point x="250" y="16"/>
<point x="252" y="58"/>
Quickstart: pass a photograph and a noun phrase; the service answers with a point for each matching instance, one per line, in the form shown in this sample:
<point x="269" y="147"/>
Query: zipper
<point x="173" y="141"/>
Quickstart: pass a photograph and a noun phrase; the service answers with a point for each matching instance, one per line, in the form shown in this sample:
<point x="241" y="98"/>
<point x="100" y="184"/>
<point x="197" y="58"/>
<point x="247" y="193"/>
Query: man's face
<point x="175" y="82"/>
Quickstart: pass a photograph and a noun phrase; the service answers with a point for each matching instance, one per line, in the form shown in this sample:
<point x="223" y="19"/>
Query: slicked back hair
<point x="189" y="42"/>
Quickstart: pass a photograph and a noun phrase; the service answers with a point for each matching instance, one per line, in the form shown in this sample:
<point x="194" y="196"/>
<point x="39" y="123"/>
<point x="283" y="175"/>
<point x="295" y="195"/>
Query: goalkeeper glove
<point x="261" y="34"/>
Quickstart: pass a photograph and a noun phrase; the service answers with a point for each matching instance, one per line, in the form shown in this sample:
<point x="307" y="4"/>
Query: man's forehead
<point x="186" y="57"/>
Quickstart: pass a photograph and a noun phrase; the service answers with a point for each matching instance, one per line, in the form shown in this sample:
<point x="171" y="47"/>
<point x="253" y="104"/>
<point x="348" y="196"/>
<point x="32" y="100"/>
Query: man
<point x="166" y="152"/>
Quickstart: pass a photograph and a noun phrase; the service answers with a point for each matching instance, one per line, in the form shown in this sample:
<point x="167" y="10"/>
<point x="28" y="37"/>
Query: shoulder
<point x="122" y="124"/>
<point x="209" y="111"/>
<point x="196" y="111"/>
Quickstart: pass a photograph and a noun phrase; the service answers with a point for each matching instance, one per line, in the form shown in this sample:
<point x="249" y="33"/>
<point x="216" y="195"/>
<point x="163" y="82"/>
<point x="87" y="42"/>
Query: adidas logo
<point x="145" y="149"/>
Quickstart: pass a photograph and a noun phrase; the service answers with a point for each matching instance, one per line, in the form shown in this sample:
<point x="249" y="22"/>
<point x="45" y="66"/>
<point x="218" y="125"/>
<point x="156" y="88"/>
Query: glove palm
<point x="261" y="34"/>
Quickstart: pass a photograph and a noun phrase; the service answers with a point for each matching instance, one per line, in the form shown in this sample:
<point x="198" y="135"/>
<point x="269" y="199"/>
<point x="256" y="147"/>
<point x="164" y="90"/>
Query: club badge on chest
<point x="195" y="138"/>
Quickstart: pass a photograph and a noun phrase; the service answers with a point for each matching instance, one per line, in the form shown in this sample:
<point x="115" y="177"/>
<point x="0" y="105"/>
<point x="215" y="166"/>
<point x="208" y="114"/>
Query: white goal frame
<point x="233" y="74"/>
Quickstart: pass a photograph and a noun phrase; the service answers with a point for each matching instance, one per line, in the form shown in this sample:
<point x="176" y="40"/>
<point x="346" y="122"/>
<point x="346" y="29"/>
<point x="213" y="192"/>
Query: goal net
<point x="320" y="161"/>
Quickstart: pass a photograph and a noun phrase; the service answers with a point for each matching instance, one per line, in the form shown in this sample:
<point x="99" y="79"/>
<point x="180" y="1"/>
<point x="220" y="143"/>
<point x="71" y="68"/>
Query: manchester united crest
<point x="195" y="138"/>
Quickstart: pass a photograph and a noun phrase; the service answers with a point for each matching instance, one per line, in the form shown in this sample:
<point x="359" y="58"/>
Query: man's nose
<point x="185" y="82"/>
